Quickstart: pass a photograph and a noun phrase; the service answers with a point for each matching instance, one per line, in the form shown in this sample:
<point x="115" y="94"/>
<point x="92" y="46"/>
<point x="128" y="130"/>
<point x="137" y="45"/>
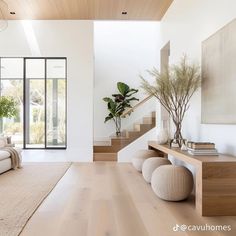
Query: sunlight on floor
<point x="45" y="156"/>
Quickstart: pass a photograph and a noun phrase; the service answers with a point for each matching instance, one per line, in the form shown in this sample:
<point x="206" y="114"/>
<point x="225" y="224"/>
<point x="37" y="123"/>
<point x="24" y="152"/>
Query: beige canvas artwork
<point x="219" y="76"/>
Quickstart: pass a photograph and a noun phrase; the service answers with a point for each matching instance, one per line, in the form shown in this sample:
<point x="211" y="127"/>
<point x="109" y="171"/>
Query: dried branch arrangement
<point x="174" y="89"/>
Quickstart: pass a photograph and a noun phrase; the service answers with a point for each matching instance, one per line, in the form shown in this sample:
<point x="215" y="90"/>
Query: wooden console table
<point x="215" y="180"/>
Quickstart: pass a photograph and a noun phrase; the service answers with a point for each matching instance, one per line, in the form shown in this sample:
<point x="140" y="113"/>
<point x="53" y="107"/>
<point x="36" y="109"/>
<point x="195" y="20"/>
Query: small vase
<point x="162" y="135"/>
<point x="178" y="138"/>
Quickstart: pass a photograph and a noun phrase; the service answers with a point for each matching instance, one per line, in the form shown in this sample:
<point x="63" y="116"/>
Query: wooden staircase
<point x="107" y="151"/>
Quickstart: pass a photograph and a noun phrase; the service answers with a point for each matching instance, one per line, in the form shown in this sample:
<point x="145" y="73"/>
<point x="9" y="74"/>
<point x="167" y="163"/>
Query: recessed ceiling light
<point x="124" y="12"/>
<point x="12" y="13"/>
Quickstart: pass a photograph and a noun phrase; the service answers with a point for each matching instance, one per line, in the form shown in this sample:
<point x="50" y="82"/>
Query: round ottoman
<point x="172" y="183"/>
<point x="140" y="157"/>
<point x="150" y="164"/>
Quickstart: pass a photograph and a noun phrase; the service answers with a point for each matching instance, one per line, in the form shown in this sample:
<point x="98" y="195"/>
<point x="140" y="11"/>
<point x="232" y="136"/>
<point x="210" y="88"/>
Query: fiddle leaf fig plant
<point x="117" y="104"/>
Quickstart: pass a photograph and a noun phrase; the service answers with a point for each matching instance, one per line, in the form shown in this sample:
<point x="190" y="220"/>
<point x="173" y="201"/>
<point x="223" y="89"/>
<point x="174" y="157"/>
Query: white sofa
<point x="5" y="160"/>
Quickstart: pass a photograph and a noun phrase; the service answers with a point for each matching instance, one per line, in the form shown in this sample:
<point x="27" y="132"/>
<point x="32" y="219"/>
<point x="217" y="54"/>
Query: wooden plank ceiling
<point x="87" y="9"/>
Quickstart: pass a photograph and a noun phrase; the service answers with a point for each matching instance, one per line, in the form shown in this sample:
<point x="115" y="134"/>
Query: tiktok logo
<point x="180" y="227"/>
<point x="176" y="228"/>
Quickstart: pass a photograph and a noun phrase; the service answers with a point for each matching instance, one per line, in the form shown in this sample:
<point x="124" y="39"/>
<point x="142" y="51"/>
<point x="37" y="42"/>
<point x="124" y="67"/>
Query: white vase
<point x="162" y="136"/>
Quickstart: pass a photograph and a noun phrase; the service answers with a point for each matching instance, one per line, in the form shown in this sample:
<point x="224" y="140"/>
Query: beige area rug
<point x="22" y="191"/>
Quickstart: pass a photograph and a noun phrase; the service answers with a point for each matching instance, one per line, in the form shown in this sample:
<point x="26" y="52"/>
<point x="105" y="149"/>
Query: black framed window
<point x="39" y="86"/>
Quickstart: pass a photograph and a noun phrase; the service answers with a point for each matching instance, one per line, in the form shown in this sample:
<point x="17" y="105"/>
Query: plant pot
<point x="118" y="126"/>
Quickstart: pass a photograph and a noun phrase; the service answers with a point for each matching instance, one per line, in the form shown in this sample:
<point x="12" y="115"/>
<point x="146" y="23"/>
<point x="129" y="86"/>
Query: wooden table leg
<point x="198" y="190"/>
<point x="216" y="189"/>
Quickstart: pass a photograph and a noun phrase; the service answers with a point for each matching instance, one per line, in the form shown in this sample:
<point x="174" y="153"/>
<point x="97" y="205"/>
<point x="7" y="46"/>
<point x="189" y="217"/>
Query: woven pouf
<point x="140" y="156"/>
<point x="172" y="183"/>
<point x="150" y="164"/>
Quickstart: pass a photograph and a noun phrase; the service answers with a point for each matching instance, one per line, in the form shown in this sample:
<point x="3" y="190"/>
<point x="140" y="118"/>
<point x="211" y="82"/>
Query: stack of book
<point x="202" y="149"/>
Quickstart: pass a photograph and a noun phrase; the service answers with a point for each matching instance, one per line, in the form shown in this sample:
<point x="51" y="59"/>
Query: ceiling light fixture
<point x="3" y="10"/>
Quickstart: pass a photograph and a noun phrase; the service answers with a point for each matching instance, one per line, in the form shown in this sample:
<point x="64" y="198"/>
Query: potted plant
<point x="117" y="104"/>
<point x="174" y="89"/>
<point x="7" y="107"/>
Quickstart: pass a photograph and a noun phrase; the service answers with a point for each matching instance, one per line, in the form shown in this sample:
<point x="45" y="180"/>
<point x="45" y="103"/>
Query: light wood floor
<point x="113" y="199"/>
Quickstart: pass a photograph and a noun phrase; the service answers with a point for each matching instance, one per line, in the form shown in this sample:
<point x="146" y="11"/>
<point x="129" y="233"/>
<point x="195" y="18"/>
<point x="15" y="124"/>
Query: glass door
<point x="35" y="103"/>
<point x="12" y="80"/>
<point x="56" y="103"/>
<point x="39" y="87"/>
<point x="45" y="103"/>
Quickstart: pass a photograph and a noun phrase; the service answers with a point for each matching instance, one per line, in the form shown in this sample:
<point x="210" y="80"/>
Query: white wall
<point x="71" y="39"/>
<point x="127" y="153"/>
<point x="123" y="51"/>
<point x="186" y="24"/>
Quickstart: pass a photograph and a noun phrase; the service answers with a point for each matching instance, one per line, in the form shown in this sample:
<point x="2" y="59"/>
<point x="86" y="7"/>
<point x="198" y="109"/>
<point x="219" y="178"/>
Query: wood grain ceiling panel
<point x="87" y="9"/>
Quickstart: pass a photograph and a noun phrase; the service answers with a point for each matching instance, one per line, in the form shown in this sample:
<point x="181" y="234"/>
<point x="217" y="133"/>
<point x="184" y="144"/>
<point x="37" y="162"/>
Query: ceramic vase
<point x="162" y="136"/>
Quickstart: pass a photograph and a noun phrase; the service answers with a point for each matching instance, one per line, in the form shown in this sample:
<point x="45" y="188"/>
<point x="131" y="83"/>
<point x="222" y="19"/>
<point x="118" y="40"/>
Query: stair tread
<point x="101" y="143"/>
<point x="119" y="137"/>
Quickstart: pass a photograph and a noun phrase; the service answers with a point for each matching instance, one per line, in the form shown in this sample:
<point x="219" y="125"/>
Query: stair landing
<point x="104" y="156"/>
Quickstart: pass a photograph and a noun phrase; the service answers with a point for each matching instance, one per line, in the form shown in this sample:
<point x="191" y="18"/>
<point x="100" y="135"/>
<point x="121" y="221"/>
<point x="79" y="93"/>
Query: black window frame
<point x="45" y="98"/>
